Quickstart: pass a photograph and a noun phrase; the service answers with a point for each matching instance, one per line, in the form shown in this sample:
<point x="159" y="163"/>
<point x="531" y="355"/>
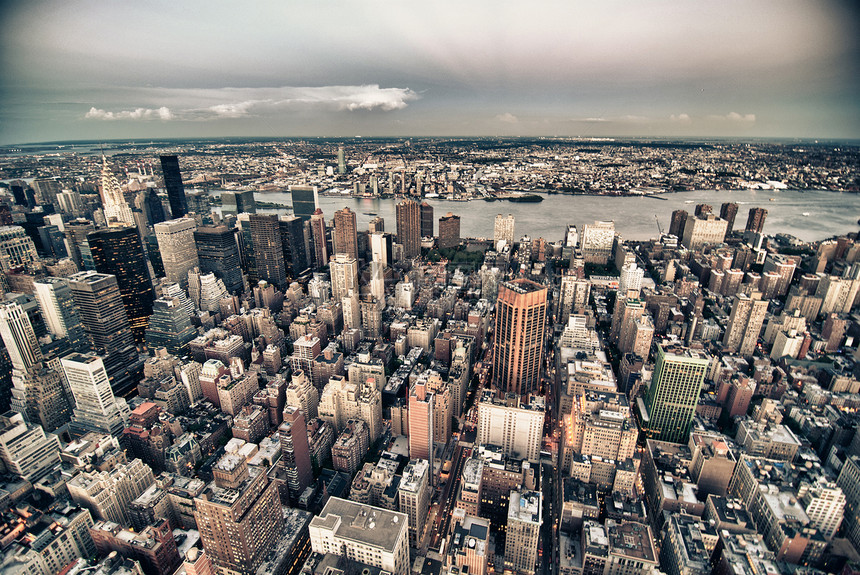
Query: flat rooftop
<point x="362" y="523"/>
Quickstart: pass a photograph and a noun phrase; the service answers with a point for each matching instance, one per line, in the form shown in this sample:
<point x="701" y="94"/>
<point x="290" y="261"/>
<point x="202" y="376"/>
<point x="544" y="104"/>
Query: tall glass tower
<point x="173" y="183"/>
<point x="671" y="400"/>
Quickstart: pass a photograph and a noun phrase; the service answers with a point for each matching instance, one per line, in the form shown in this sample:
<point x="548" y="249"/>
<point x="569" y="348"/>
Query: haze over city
<point x="105" y="70"/>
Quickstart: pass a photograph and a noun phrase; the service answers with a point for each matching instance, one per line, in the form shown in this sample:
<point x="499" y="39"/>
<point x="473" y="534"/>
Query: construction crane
<point x="659" y="229"/>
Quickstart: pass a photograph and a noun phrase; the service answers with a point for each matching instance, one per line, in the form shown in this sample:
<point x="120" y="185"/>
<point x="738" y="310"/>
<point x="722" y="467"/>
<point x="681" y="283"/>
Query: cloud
<point x="507" y="118"/>
<point x="736" y="118"/>
<point x="225" y="103"/>
<point x="680" y="118"/>
<point x="162" y="113"/>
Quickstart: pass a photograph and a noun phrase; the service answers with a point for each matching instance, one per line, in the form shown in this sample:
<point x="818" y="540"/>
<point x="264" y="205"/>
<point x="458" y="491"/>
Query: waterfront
<point x="830" y="213"/>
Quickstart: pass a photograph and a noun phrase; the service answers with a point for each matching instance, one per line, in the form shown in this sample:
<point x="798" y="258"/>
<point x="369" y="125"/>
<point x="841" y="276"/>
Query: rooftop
<point x="363" y="523"/>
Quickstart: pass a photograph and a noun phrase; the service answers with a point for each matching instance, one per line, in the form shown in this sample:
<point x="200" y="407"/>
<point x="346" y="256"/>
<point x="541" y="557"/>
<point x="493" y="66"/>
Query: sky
<point x="109" y="69"/>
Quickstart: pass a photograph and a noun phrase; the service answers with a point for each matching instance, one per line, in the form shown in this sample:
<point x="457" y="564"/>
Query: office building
<point x="345" y="233"/>
<point x="25" y="449"/>
<point x="96" y="407"/>
<point x="728" y="212"/>
<point x="674" y="392"/>
<point x="153" y="207"/>
<point x="514" y="426"/>
<point x="522" y="535"/>
<point x="16" y="248"/>
<point x="704" y="229"/>
<point x="178" y="248"/>
<point x="173" y="184"/>
<point x="305" y="201"/>
<point x="76" y="234"/>
<point x="342" y="400"/>
<point x="236" y="203"/>
<point x="426" y="220"/>
<point x="504" y="229"/>
<point x="519" y="336"/>
<point x="106" y="324"/>
<point x="268" y="249"/>
<point x="59" y="312"/>
<point x="745" y="323"/>
<point x="116" y="209"/>
<point x="153" y="545"/>
<point x="376" y="225"/>
<point x="597" y="241"/>
<point x="413" y="496"/>
<point x="374" y="536"/>
<point x="109" y="494"/>
<point x="119" y="252"/>
<point x="350" y="447"/>
<point x="344" y="276"/>
<point x="409" y="228"/>
<point x="421" y="418"/>
<point x="294" y="245"/>
<point x="468" y="548"/>
<point x="170" y="327"/>
<point x="449" y="231"/>
<point x="755" y="220"/>
<point x="218" y="253"/>
<point x="318" y="239"/>
<point x="295" y="452"/>
<point x="239" y="516"/>
<point x="684" y="550"/>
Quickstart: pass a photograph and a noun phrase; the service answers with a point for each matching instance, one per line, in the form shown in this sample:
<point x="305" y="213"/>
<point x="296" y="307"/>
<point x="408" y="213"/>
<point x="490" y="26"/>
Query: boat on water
<point x="805" y="214"/>
<point x="773" y="199"/>
<point x="370" y="213"/>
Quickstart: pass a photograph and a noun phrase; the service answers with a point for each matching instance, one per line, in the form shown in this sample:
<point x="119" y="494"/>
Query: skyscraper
<point x="293" y="242"/>
<point x="59" y="312"/>
<point x="745" y="322"/>
<point x="421" y="404"/>
<point x="173" y="183"/>
<point x="449" y="231"/>
<point x="679" y="220"/>
<point x="16" y="248"/>
<point x="76" y="233"/>
<point x="218" y="253"/>
<point x="268" y="249"/>
<point x="154" y="207"/>
<point x="597" y="241"/>
<point x="239" y="516"/>
<point x="106" y="324"/>
<point x="177" y="248"/>
<point x="295" y="452"/>
<point x="522" y="535"/>
<point x="169" y="327"/>
<point x="119" y="252"/>
<point x="341" y="161"/>
<point x="755" y="220"/>
<point x="320" y="250"/>
<point x="413" y="495"/>
<point x="426" y="220"/>
<point x="116" y="209"/>
<point x="345" y="234"/>
<point x="305" y="201"/>
<point x="520" y="334"/>
<point x="96" y="407"/>
<point x="504" y="229"/>
<point x="409" y="228"/>
<point x="344" y="276"/>
<point x="25" y="449"/>
<point x="671" y="400"/>
<point x="728" y="212"/>
<point x="238" y="202"/>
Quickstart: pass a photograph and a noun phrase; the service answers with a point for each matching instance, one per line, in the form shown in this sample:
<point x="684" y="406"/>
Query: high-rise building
<point x="170" y="327"/>
<point x="119" y="252"/>
<point x="522" y="535"/>
<point x="317" y="237"/>
<point x="268" y="249"/>
<point x="76" y="234"/>
<point x="178" y="249"/>
<point x="703" y="229"/>
<point x="597" y="241"/>
<point x="409" y="228"/>
<point x="504" y="229"/>
<point x="413" y="496"/>
<point x="344" y="276"/>
<point x="345" y="233"/>
<point x="376" y="225"/>
<point x="96" y="407"/>
<point x="154" y="208"/>
<point x="108" y="494"/>
<point x="16" y="248"/>
<point x="355" y="530"/>
<point x="106" y="324"/>
<point x="676" y="226"/>
<point x="341" y="161"/>
<point x="449" y="231"/>
<point x="674" y="393"/>
<point x="238" y="203"/>
<point x="239" y="516"/>
<point x="305" y="201"/>
<point x="116" y="209"/>
<point x="218" y="253"/>
<point x="745" y="323"/>
<point x="293" y="242"/>
<point x="519" y="336"/>
<point x="421" y="404"/>
<point x="25" y="449"/>
<point x="755" y="220"/>
<point x="295" y="452"/>
<point x="728" y="212"/>
<point x="173" y="183"/>
<point x="18" y="336"/>
<point x="426" y="220"/>
<point x="514" y="426"/>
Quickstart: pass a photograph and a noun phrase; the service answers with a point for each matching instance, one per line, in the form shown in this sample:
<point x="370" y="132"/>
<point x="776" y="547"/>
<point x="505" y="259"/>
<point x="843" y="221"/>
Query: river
<point x="830" y="213"/>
